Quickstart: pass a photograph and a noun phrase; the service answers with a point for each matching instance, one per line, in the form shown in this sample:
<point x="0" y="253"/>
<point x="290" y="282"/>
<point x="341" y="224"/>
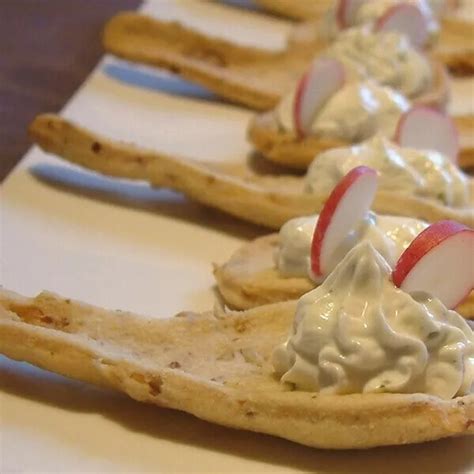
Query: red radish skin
<point x="422" y="244"/>
<point x="407" y="19"/>
<point x="345" y="12"/>
<point x="341" y="14"/>
<point x="303" y="84"/>
<point x="324" y="77"/>
<point x="425" y="243"/>
<point x="329" y="210"/>
<point x="440" y="129"/>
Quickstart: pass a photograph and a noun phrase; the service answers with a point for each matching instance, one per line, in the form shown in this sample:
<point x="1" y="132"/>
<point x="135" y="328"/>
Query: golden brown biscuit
<point x="215" y="366"/>
<point x="249" y="76"/>
<point x="297" y="10"/>
<point x="240" y="190"/>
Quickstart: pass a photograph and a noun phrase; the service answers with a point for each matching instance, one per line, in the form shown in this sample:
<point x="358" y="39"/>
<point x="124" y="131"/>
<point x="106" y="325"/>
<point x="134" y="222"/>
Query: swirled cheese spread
<point x="424" y="173"/>
<point x="439" y="7"/>
<point x="356" y="112"/>
<point x="371" y="10"/>
<point x="389" y="58"/>
<point x="358" y="333"/>
<point x="390" y="235"/>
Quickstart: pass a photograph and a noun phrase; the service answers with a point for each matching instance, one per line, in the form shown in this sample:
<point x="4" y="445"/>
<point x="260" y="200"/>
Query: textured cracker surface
<point x="243" y="190"/>
<point x="215" y="366"/>
<point x="455" y="46"/>
<point x="297" y="10"/>
<point x="245" y="75"/>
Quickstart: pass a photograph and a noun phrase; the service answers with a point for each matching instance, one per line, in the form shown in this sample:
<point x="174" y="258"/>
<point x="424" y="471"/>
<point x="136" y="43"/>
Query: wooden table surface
<point x="48" y="48"/>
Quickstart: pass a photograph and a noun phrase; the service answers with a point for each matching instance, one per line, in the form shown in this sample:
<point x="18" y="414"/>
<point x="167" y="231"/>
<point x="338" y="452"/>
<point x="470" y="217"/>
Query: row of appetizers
<point x="376" y="353"/>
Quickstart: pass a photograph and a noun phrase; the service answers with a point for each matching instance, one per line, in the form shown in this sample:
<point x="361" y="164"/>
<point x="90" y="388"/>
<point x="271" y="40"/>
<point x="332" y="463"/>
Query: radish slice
<point x="348" y="203"/>
<point x="324" y="78"/>
<point x="407" y="19"/>
<point x="439" y="261"/>
<point x="346" y="10"/>
<point x="430" y="129"/>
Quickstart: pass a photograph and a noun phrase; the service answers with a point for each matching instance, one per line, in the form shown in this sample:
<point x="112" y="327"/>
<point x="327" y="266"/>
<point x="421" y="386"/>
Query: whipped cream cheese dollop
<point x="389" y="58"/>
<point x="424" y="173"/>
<point x="354" y="113"/>
<point x="390" y="236"/>
<point x="438" y="7"/>
<point x="358" y="333"/>
<point x="371" y="10"/>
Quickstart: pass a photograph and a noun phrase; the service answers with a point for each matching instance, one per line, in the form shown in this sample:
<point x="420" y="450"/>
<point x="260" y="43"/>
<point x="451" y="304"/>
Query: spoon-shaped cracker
<point x="249" y="76"/>
<point x="246" y="75"/>
<point x="239" y="190"/>
<point x="217" y="367"/>
<point x="287" y="148"/>
<point x="300" y="10"/>
<point x="250" y="278"/>
<point x="453" y="47"/>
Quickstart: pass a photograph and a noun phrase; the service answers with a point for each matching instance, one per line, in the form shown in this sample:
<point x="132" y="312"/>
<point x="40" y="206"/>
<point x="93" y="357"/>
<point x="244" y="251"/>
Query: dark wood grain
<point x="47" y="49"/>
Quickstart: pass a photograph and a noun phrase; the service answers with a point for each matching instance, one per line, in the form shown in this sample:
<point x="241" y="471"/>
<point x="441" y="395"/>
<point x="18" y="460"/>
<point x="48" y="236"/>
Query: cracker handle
<point x="250" y="200"/>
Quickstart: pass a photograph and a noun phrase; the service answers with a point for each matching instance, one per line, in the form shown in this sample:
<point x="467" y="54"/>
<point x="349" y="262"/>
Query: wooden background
<point x="47" y="49"/>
